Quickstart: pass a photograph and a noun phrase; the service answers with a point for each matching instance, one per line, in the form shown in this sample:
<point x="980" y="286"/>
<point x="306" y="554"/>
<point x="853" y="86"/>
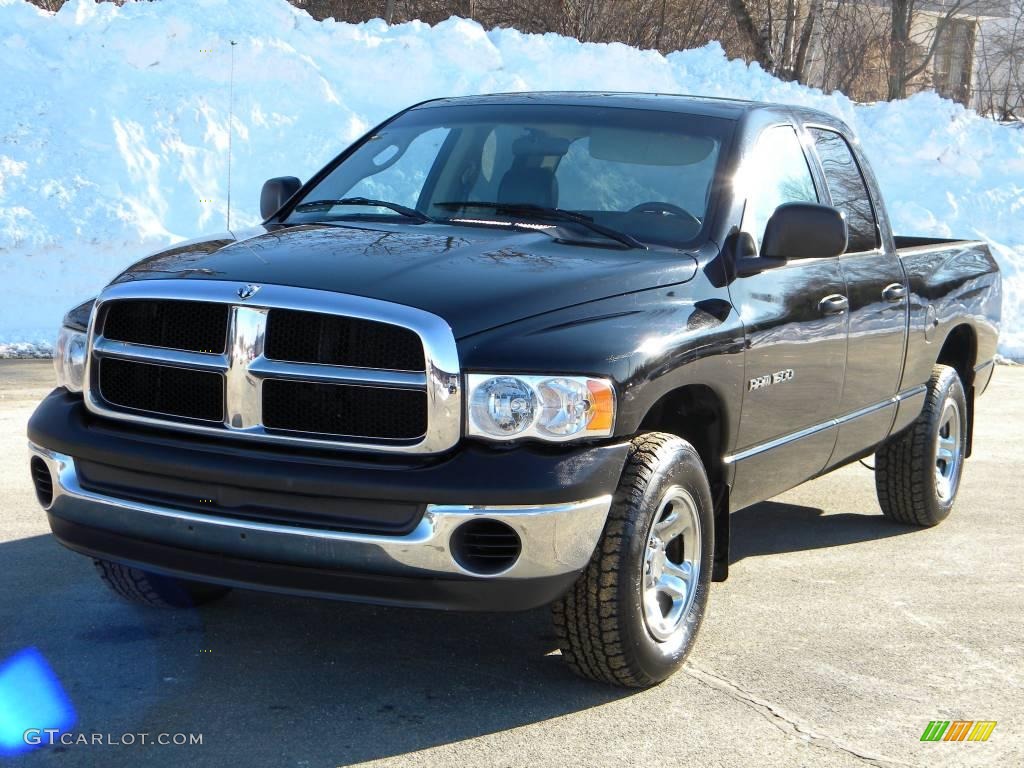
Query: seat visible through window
<point x="532" y="186"/>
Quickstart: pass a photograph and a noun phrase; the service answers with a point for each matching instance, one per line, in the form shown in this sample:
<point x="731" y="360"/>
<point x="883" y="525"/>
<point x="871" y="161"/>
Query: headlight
<point x="554" y="408"/>
<point x="69" y="358"/>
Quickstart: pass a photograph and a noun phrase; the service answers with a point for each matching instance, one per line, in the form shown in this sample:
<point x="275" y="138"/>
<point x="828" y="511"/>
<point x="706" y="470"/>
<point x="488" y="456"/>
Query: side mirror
<point x="804" y="231"/>
<point x="277" y="192"/>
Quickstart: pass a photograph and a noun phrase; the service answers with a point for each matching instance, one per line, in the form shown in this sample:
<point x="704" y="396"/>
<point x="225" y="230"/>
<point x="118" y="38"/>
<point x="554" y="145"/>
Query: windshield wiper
<point x="549" y="214"/>
<point x="410" y="213"/>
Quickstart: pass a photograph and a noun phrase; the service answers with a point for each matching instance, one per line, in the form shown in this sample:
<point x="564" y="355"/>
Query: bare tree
<point x="1000" y="78"/>
<point x="850" y="52"/>
<point x="903" y="17"/>
<point x="788" y="52"/>
<point x="757" y="41"/>
<point x="799" y="69"/>
<point x="777" y="33"/>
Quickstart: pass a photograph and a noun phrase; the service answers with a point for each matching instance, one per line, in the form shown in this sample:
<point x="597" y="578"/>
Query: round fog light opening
<point x="485" y="547"/>
<point x="42" y="481"/>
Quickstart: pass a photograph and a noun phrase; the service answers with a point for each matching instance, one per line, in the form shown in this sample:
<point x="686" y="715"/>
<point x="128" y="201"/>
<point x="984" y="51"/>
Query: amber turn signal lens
<point x="602" y="406"/>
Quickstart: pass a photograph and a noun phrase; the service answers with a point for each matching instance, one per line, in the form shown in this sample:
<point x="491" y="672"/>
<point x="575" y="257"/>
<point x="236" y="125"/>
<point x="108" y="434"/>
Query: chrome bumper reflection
<point x="556" y="539"/>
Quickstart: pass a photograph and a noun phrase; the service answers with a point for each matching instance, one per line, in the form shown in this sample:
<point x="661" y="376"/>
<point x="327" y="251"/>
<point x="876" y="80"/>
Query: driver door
<point x="795" y="328"/>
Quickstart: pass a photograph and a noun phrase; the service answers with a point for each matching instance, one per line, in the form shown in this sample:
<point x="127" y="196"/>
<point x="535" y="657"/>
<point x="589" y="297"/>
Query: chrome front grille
<point x="298" y="366"/>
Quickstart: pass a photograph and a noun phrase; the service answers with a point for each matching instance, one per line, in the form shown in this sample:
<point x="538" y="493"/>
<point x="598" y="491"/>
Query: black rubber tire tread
<point x="586" y="619"/>
<point x="904" y="464"/>
<point x="155" y="590"/>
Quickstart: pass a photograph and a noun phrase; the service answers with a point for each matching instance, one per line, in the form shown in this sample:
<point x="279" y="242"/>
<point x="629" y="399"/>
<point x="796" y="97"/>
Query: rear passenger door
<point x="876" y="289"/>
<point x="795" y="331"/>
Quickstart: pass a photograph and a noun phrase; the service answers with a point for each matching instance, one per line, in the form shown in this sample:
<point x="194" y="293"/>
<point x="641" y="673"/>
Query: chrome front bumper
<point x="556" y="539"/>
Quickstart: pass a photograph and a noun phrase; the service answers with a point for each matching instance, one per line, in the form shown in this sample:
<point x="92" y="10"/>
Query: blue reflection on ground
<point x="31" y="697"/>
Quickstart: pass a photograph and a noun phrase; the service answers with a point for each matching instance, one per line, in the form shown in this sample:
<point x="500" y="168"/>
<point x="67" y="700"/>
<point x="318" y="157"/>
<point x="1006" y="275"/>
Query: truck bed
<point x="951" y="283"/>
<point x="915" y="241"/>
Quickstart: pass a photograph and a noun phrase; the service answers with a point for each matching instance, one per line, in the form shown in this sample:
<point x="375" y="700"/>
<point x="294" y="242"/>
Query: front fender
<point x="648" y="343"/>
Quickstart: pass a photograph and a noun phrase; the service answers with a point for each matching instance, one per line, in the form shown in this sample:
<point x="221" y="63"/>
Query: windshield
<point x="648" y="174"/>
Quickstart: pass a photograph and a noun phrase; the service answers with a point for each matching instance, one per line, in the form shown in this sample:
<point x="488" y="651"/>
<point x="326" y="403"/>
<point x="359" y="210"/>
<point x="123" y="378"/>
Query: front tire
<point x="155" y="590"/>
<point x="917" y="472"/>
<point x="633" y="615"/>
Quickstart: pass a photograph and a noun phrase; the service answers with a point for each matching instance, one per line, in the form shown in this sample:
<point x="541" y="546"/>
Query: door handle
<point x="835" y="304"/>
<point x="894" y="292"/>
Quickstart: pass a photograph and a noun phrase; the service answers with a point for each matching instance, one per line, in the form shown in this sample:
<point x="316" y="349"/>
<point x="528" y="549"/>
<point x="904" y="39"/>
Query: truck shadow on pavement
<point x="774" y="527"/>
<point x="270" y="679"/>
<point x="279" y="680"/>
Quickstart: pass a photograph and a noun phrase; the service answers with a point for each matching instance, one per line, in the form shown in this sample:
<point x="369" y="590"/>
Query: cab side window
<point x="847" y="188"/>
<point x="776" y="173"/>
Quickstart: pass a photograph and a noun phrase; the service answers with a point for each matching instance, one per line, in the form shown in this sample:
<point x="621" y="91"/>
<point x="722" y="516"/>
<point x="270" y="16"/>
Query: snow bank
<point x="114" y="128"/>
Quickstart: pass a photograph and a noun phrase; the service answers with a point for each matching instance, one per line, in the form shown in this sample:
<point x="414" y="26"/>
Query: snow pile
<point x="114" y="129"/>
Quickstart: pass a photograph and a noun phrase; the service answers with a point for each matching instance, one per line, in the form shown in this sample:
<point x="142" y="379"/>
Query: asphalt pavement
<point x="835" y="641"/>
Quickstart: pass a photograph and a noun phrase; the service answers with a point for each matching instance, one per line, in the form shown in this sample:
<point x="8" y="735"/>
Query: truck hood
<point x="475" y="278"/>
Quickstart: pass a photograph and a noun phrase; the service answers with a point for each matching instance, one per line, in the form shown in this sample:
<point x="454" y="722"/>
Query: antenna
<point x="231" y="120"/>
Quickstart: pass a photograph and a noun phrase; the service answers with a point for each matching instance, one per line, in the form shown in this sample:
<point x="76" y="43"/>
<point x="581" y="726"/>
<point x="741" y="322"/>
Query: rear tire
<point x="917" y="472"/>
<point x="155" y="590"/>
<point x="633" y="615"/>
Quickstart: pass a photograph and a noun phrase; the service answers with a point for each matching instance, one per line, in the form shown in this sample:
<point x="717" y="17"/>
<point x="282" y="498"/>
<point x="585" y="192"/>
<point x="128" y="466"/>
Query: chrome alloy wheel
<point x="671" y="563"/>
<point x="948" y="451"/>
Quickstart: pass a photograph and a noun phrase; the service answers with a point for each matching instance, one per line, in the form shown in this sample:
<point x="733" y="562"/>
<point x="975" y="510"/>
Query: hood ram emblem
<point x="247" y="290"/>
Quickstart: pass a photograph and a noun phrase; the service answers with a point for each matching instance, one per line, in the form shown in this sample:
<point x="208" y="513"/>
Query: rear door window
<point x="847" y="189"/>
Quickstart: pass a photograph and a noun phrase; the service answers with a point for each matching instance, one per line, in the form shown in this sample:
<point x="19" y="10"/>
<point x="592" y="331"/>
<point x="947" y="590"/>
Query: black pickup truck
<point x="513" y="350"/>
